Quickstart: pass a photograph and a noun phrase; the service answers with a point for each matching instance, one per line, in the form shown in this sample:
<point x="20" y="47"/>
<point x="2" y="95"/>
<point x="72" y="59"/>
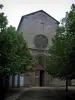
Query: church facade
<point x="38" y="28"/>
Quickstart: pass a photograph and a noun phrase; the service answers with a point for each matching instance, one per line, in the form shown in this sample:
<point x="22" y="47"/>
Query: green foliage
<point x="3" y="19"/>
<point x="1" y="6"/>
<point x="61" y="59"/>
<point x="39" y="59"/>
<point x="14" y="53"/>
<point x="70" y="21"/>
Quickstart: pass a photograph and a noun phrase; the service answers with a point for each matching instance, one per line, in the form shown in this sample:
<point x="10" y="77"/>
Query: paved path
<point x="37" y="94"/>
<point x="43" y="93"/>
<point x="16" y="95"/>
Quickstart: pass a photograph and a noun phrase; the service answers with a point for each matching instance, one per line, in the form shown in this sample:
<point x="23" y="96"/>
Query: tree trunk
<point x="66" y="84"/>
<point x="2" y="91"/>
<point x="3" y="86"/>
<point x="18" y="81"/>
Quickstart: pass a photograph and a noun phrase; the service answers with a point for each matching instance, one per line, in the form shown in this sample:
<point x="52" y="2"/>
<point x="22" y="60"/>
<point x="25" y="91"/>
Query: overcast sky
<point x="14" y="9"/>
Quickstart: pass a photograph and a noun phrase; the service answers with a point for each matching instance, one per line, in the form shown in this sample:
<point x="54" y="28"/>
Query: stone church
<point x="38" y="28"/>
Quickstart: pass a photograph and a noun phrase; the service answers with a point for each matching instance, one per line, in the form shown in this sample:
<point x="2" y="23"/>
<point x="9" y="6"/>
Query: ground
<point x="44" y="93"/>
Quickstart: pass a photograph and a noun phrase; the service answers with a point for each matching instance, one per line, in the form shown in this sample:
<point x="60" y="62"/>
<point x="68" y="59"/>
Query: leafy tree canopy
<point x="14" y="53"/>
<point x="61" y="59"/>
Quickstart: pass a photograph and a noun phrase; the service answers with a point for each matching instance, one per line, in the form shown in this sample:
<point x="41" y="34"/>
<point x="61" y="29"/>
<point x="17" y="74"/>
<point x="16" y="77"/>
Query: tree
<point x="61" y="59"/>
<point x="15" y="57"/>
<point x="13" y="51"/>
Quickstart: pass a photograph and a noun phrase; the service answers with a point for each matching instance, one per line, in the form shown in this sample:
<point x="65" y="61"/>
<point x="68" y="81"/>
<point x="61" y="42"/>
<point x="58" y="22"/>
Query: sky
<point x="14" y="9"/>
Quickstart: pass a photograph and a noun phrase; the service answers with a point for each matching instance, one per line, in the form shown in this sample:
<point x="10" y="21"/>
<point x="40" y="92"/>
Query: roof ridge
<point x="34" y="13"/>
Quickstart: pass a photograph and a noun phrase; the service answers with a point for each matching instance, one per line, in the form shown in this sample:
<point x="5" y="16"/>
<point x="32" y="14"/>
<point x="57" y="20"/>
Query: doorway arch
<point x="39" y="73"/>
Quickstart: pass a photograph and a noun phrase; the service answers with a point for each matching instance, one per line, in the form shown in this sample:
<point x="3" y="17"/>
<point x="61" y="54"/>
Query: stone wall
<point x="38" y="23"/>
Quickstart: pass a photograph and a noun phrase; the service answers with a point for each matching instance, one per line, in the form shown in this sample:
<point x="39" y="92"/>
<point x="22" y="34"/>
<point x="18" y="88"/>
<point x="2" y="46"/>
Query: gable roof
<point x="32" y="14"/>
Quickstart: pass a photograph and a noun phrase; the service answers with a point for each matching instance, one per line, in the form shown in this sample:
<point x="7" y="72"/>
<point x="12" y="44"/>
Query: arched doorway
<point x="41" y="81"/>
<point x="39" y="75"/>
